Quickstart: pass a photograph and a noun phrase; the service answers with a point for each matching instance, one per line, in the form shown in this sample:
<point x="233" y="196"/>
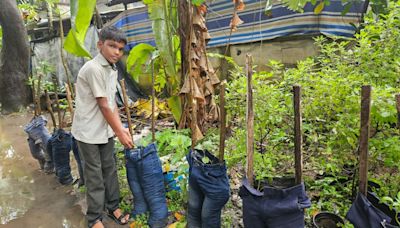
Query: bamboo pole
<point x="364" y="137"/>
<point x="69" y="100"/>
<point x="126" y="105"/>
<point x="297" y="134"/>
<point x="99" y="22"/>
<point x="222" y="121"/>
<point x="63" y="57"/>
<point x="153" y="96"/>
<point x="34" y="98"/>
<point x="39" y="109"/>
<point x="50" y="109"/>
<point x="250" y="121"/>
<point x="55" y="83"/>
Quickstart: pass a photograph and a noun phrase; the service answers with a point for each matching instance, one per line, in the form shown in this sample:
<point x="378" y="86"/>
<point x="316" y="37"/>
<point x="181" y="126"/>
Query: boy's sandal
<point x="119" y="219"/>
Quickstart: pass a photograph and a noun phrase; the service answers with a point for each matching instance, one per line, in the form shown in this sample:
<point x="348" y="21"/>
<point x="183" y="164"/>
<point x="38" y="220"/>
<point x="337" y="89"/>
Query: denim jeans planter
<point x="274" y="207"/>
<point x="208" y="190"/>
<point x="38" y="133"/>
<point x="60" y="144"/>
<point x="37" y="152"/>
<point x="368" y="213"/>
<point x="146" y="182"/>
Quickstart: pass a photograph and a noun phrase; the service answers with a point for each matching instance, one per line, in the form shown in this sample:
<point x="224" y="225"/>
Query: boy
<point x="96" y="120"/>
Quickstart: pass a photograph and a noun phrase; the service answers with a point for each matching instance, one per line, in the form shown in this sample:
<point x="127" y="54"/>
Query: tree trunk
<point x="14" y="60"/>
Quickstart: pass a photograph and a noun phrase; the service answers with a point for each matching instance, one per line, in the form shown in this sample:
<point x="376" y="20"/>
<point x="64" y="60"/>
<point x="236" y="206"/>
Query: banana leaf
<point x="81" y="14"/>
<point x="138" y="56"/>
<point x="163" y="17"/>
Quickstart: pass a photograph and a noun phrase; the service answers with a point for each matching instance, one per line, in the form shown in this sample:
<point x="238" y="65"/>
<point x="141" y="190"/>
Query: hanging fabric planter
<point x="208" y="189"/>
<point x="146" y="181"/>
<point x="38" y="136"/>
<point x="145" y="175"/>
<point x="60" y="145"/>
<point x="367" y="211"/>
<point x="274" y="206"/>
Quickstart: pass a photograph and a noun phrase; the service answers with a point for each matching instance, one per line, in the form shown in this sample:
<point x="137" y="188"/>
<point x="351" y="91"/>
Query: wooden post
<point x="153" y="96"/>
<point x="69" y="100"/>
<point x="60" y="121"/>
<point x="222" y="121"/>
<point x="34" y="98"/>
<point x="297" y="134"/>
<point x="398" y="110"/>
<point x="39" y="109"/>
<point x="126" y="105"/>
<point x="193" y="105"/>
<point x="364" y="137"/>
<point x="250" y="121"/>
<point x="50" y="109"/>
<point x="63" y="61"/>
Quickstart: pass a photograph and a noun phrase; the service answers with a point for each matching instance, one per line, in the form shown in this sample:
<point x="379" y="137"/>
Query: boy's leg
<point x="95" y="190"/>
<point x="110" y="176"/>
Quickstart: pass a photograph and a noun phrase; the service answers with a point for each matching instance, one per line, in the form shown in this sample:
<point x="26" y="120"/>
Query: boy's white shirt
<point x="95" y="79"/>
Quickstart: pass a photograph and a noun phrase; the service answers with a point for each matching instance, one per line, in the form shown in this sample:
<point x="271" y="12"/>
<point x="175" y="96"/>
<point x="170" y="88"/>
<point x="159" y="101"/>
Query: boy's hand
<point x="125" y="138"/>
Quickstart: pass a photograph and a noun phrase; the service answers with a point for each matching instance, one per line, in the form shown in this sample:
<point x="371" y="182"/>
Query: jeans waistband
<point x="196" y="162"/>
<point x="269" y="191"/>
<point x="35" y="122"/>
<point x="140" y="152"/>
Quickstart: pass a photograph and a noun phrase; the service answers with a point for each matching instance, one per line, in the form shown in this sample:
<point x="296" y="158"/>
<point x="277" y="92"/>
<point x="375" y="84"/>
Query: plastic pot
<point x="327" y="220"/>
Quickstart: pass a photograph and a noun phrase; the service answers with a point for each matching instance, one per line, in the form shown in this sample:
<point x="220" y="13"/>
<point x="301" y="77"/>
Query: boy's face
<point x="111" y="50"/>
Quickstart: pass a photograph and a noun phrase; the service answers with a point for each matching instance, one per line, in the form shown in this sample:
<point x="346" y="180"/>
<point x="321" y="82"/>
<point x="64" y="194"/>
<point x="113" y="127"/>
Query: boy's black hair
<point x="112" y="33"/>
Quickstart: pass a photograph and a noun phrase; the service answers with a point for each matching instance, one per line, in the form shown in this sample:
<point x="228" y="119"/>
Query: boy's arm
<point x="112" y="117"/>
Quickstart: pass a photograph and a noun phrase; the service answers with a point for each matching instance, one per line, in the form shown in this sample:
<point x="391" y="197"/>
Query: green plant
<point x="141" y="221"/>
<point x="394" y="203"/>
<point x="331" y="84"/>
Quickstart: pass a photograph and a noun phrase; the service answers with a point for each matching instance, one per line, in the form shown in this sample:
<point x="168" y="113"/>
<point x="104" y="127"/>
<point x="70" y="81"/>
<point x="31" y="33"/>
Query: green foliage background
<point x="331" y="84"/>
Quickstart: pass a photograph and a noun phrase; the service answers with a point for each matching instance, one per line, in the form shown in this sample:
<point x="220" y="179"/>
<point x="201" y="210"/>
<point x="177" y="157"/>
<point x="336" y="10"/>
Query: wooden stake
<point x="39" y="109"/>
<point x="222" y="121"/>
<point x="50" y="109"/>
<point x="55" y="83"/>
<point x="398" y="110"/>
<point x="193" y="122"/>
<point x="297" y="134"/>
<point x="126" y="105"/>
<point x="153" y="96"/>
<point x="69" y="100"/>
<point x="64" y="63"/>
<point x="250" y="121"/>
<point x="364" y="137"/>
<point x="34" y="98"/>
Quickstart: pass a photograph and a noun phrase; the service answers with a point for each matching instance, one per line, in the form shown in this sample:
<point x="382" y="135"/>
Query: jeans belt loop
<point x="140" y="153"/>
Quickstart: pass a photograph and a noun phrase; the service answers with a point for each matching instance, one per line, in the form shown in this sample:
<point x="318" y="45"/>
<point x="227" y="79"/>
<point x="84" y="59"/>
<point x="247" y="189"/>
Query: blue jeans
<point x="60" y="145"/>
<point x="39" y="135"/>
<point x="274" y="207"/>
<point x="368" y="214"/>
<point x="146" y="181"/>
<point x="208" y="190"/>
<point x="37" y="152"/>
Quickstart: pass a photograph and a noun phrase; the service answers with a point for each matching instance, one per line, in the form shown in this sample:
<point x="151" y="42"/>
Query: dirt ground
<point x="28" y="196"/>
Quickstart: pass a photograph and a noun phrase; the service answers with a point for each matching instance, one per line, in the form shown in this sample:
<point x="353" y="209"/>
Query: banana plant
<point x="165" y="56"/>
